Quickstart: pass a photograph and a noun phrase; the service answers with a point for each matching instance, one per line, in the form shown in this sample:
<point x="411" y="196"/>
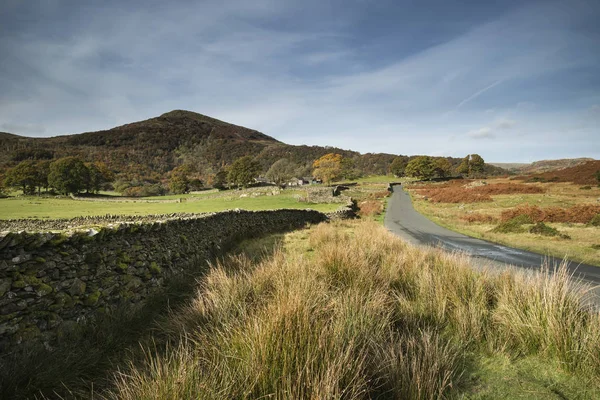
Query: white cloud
<point x="505" y="124"/>
<point x="236" y="61"/>
<point x="481" y="133"/>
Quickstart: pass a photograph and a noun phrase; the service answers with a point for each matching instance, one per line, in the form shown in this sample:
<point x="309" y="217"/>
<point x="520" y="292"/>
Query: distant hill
<point x="581" y="174"/>
<point x="510" y="166"/>
<point x="148" y="150"/>
<point x="542" y="166"/>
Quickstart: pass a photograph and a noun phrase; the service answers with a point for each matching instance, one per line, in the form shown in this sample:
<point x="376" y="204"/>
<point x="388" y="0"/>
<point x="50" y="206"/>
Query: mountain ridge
<point x="149" y="149"/>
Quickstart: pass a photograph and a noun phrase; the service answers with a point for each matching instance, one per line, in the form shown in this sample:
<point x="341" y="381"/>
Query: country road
<point x="402" y="219"/>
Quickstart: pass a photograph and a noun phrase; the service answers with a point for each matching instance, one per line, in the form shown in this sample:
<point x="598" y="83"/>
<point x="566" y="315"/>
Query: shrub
<point x="542" y="229"/>
<point x="585" y="188"/>
<point x="513" y="225"/>
<point x="595" y="221"/>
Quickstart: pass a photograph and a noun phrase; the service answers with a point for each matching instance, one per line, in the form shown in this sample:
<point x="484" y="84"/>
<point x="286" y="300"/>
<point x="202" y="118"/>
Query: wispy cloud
<point x="477" y="94"/>
<point x="308" y="72"/>
<point x="481" y="133"/>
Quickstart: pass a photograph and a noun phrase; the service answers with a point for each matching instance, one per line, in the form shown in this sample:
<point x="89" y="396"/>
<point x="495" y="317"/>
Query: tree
<point x="43" y="170"/>
<point x="68" y="175"/>
<point x="24" y="176"/>
<point x="99" y="176"/>
<point x="471" y="164"/>
<point x="476" y="164"/>
<point x="398" y="166"/>
<point x="420" y="167"/>
<point x="220" y="179"/>
<point x="281" y="171"/>
<point x="328" y="167"/>
<point x="442" y="167"/>
<point x="598" y="177"/>
<point x="463" y="167"/>
<point x="243" y="171"/>
<point x="3" y="191"/>
<point x="179" y="182"/>
<point x="348" y="169"/>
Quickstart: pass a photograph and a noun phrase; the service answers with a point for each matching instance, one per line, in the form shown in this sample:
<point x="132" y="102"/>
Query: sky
<point x="514" y="81"/>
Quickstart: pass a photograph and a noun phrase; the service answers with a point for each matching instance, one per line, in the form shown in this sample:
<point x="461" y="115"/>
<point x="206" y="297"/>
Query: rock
<point x="21" y="258"/>
<point x="77" y="288"/>
<point x="5" y="285"/>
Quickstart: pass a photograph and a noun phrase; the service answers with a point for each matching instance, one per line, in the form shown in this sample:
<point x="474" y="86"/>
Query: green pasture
<point x="52" y="208"/>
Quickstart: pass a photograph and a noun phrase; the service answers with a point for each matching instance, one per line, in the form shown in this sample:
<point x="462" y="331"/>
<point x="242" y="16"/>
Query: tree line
<point x="68" y="175"/>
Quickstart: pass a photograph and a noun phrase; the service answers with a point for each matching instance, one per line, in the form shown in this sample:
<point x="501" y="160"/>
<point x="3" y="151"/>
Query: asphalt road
<point x="403" y="220"/>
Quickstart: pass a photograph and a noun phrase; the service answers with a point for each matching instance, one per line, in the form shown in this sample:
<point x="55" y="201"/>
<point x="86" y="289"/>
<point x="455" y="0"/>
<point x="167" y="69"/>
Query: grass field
<point x="584" y="245"/>
<point x="50" y="208"/>
<point x="344" y="310"/>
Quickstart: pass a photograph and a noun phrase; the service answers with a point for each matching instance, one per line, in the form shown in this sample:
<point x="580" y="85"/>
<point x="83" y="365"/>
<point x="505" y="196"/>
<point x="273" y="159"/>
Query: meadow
<point x="210" y="201"/>
<point x="340" y="310"/>
<point x="477" y="210"/>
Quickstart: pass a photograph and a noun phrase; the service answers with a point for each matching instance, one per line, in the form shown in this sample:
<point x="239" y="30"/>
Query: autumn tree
<point x="282" y="171"/>
<point x="243" y="171"/>
<point x="328" y="167"/>
<point x="398" y="166"/>
<point x="24" y="176"/>
<point x="420" y="167"/>
<point x="68" y="175"/>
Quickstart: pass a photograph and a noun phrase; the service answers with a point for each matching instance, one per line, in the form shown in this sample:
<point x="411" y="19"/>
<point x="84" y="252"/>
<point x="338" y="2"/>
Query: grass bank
<point x="478" y="219"/>
<point x="349" y="311"/>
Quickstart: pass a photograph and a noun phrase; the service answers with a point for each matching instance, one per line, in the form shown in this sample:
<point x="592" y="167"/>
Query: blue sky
<point x="510" y="80"/>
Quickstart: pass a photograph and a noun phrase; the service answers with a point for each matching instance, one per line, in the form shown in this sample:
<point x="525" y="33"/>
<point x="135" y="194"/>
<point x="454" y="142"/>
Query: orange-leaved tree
<point x="328" y="167"/>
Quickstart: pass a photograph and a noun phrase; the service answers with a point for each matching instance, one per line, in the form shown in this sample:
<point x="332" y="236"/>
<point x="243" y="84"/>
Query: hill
<point x="582" y="174"/>
<point x="539" y="167"/>
<point x="148" y="150"/>
<point x="510" y="166"/>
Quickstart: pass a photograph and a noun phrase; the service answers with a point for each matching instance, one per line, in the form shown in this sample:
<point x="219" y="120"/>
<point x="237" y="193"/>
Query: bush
<point x="585" y="188"/>
<point x="542" y="229"/>
<point x="513" y="225"/>
<point x="595" y="221"/>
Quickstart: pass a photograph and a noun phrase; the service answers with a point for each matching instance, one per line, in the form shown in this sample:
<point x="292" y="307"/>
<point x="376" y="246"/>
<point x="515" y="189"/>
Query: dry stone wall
<point x="51" y="281"/>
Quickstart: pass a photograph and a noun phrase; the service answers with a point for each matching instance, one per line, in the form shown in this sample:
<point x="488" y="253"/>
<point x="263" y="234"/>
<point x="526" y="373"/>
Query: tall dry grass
<point x="359" y="315"/>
